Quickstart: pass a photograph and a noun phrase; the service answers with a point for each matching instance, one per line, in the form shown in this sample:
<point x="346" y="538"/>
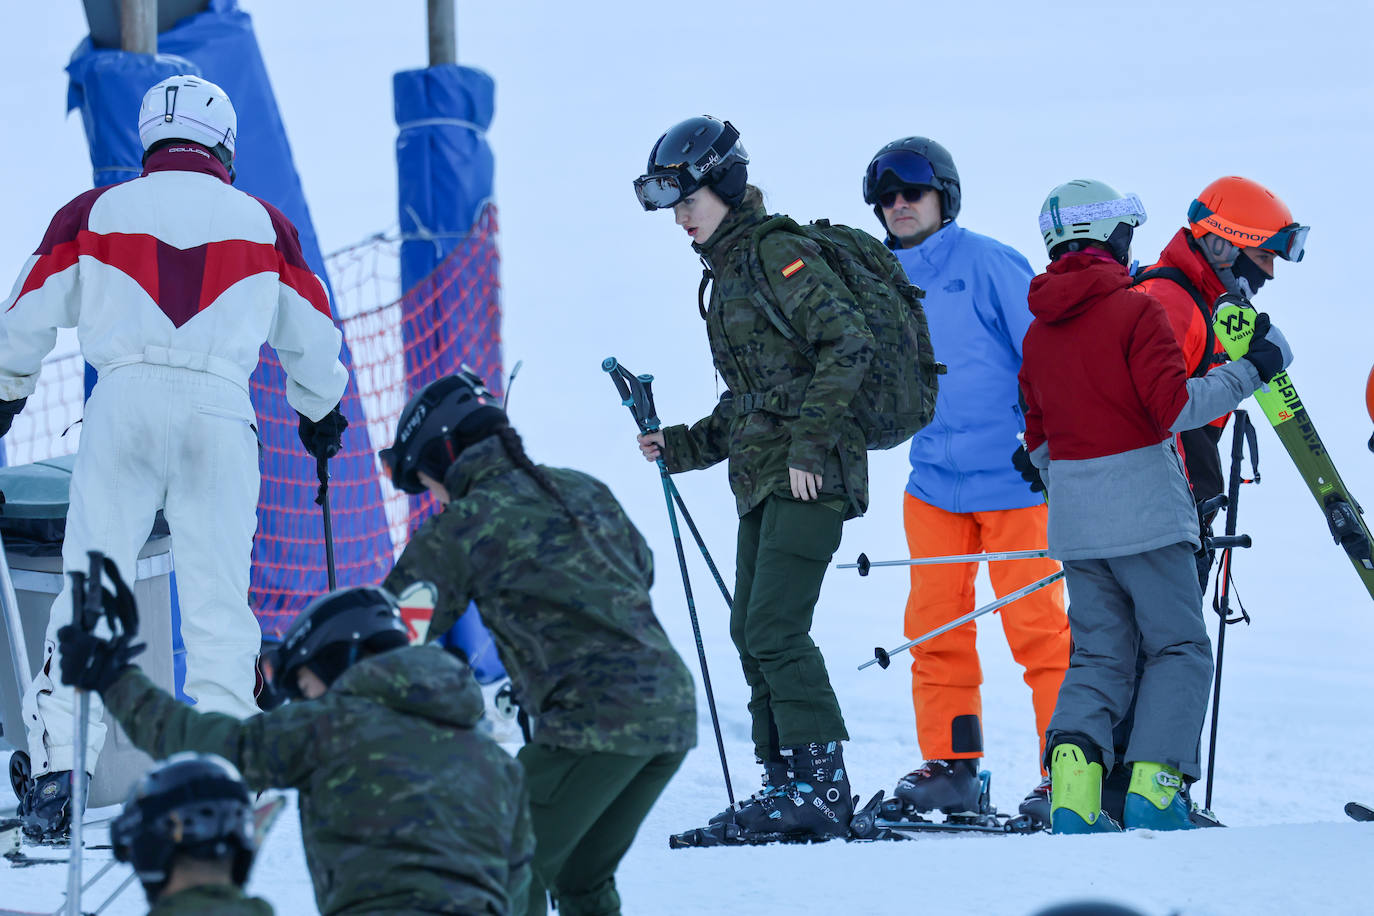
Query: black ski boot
<point x="46" y="809"/>
<point x="950" y="786"/>
<point x="810" y="802"/>
<point x="1036" y="804"/>
<point x="774" y="777"/>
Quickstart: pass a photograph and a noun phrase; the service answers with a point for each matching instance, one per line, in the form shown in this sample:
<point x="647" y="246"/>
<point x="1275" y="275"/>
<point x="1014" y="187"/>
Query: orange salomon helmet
<point x="1248" y="215"/>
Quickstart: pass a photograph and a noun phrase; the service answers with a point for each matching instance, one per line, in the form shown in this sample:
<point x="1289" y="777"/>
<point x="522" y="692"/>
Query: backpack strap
<point x="1178" y="277"/>
<point x="761" y="299"/>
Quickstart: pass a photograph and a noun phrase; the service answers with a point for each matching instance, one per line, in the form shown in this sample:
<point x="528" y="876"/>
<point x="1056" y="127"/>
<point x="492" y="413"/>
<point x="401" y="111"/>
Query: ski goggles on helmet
<point x="666" y="184"/>
<point x="1055" y="217"/>
<point x="909" y="168"/>
<point x="1288" y="243"/>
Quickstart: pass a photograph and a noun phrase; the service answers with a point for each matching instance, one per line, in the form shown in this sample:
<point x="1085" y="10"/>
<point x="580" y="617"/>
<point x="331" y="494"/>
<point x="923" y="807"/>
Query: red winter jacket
<point x="1102" y="372"/>
<point x="1185" y="317"/>
<point x="1105" y="388"/>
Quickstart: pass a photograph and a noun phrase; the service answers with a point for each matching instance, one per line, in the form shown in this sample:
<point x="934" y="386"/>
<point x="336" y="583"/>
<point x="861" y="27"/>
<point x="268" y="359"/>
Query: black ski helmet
<point x="1088" y="908"/>
<point x="696" y="153"/>
<point x="436" y="424"/>
<point x="913" y="161"/>
<point x="333" y="630"/>
<point x="191" y="804"/>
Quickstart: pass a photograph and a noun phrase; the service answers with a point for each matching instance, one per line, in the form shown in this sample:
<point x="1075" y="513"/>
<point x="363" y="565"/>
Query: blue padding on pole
<point x="443" y="162"/>
<point x="445" y="173"/>
<point x="107" y="86"/>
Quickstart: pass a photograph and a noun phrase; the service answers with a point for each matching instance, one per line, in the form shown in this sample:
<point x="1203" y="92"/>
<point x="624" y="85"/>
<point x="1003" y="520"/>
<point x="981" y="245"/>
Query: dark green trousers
<point x="586" y="807"/>
<point x="784" y="549"/>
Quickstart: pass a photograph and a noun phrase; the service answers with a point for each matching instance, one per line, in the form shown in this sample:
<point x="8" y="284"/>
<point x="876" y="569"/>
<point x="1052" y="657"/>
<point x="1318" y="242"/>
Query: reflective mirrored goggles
<point x="910" y="168"/>
<point x="658" y="191"/>
<point x="1288" y="243"/>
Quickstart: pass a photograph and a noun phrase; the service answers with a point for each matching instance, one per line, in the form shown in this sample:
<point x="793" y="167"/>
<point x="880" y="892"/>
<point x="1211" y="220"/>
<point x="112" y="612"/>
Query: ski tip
<point x="1359" y="812"/>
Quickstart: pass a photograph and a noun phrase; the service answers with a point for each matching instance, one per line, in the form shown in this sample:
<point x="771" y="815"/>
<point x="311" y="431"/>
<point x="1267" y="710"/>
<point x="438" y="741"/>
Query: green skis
<point x="1234" y="322"/>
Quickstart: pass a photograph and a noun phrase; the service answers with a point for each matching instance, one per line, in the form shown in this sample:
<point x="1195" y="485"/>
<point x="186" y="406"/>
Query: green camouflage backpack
<point x="897" y="397"/>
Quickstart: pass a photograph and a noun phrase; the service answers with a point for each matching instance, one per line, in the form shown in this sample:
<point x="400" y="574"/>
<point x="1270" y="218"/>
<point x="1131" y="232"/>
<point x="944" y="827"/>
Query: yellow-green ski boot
<point x="1076" y="793"/>
<point x="1156" y="799"/>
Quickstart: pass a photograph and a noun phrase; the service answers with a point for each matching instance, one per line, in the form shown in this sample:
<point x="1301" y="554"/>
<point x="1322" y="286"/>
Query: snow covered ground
<point x="1155" y="98"/>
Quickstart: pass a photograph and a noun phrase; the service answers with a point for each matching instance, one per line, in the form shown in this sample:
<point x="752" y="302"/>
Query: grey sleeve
<point x="1216" y="394"/>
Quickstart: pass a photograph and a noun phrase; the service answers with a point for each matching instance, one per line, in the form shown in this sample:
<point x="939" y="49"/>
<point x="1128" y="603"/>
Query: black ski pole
<point x="322" y="500"/>
<point x="1242" y="431"/>
<point x="637" y="395"/>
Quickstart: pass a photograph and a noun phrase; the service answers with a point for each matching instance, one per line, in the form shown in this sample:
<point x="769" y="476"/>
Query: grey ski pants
<point x="1148" y="603"/>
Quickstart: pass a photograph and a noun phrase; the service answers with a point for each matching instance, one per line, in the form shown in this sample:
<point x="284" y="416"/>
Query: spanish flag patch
<point x="792" y="268"/>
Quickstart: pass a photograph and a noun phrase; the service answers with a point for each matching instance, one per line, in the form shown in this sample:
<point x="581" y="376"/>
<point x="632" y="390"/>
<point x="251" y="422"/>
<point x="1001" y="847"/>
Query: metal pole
<point x="138" y="26"/>
<point x="322" y="497"/>
<point x="864" y="564"/>
<point x="443" y="33"/>
<point x="14" y="622"/>
<point x="1240" y="422"/>
<point x="883" y="658"/>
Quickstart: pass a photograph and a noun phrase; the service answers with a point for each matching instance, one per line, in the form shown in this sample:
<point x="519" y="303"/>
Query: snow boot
<point x="46" y="809"/>
<point x="1157" y="799"/>
<point x="952" y="786"/>
<point x="1036" y="804"/>
<point x="774" y="777"/>
<point x="1076" y="791"/>
<point x="814" y="802"/>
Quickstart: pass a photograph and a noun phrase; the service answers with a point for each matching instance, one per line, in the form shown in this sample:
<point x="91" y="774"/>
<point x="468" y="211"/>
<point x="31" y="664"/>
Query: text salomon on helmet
<point x="191" y="804"/>
<point x="1248" y="215"/>
<point x="332" y="632"/>
<point x="189" y="108"/>
<point x="433" y="424"/>
<point x="1083" y="211"/>
<point x="699" y="152"/>
<point x="913" y="162"/>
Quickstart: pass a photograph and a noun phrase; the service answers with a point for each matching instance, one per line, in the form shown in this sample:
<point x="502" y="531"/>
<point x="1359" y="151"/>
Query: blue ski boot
<point x="1158" y="799"/>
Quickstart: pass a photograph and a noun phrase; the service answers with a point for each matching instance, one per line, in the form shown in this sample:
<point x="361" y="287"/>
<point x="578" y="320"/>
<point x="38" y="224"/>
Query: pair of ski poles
<point x="636" y="393"/>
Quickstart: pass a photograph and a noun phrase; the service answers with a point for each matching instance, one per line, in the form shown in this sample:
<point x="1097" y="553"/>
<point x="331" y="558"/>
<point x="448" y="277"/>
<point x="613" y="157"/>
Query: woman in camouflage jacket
<point x="798" y="465"/>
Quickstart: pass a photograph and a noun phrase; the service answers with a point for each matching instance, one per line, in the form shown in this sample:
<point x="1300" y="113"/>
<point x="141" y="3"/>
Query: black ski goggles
<point x="910" y="170"/>
<point x="666" y="185"/>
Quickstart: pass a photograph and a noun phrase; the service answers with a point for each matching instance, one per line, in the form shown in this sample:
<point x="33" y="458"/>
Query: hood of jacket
<point x="1073" y="284"/>
<point x="478" y="462"/>
<point x="423" y="681"/>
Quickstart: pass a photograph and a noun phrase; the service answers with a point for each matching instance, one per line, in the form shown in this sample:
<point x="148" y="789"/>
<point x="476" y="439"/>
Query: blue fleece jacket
<point x="976" y="306"/>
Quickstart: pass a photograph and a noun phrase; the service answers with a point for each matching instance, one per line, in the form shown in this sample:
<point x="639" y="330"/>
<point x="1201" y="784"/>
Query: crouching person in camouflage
<point x="405" y="809"/>
<point x="562" y="578"/>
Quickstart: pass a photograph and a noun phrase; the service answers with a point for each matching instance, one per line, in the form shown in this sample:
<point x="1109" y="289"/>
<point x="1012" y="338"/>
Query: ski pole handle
<point x="635" y="392"/>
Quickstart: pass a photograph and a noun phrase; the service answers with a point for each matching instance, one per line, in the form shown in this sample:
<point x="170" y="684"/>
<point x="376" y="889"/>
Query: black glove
<point x="8" y="411"/>
<point x="1020" y="459"/>
<point x="324" y="439"/>
<point x="1268" y="352"/>
<point x="92" y="663"/>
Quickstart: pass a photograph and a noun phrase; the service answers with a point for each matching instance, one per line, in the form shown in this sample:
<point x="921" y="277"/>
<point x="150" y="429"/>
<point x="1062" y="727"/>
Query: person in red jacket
<point x="1105" y="389"/>
<point x="1237" y="229"/>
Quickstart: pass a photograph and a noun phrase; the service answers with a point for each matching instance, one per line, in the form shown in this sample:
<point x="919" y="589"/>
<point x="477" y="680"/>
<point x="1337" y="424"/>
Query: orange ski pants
<point x="945" y="674"/>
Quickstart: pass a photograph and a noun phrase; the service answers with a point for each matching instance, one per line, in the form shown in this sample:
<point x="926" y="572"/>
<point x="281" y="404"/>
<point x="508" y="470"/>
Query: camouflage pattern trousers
<point x="784" y="548"/>
<point x="586" y="807"/>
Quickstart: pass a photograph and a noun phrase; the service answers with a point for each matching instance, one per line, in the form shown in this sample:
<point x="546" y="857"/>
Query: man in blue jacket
<point x="963" y="495"/>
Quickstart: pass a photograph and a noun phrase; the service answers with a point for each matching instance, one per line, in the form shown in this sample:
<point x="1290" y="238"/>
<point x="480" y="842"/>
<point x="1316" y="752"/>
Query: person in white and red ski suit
<point x="173" y="281"/>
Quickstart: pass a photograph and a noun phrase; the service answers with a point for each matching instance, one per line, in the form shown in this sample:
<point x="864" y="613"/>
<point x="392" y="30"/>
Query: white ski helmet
<point x="185" y="107"/>
<point x="1089" y="211"/>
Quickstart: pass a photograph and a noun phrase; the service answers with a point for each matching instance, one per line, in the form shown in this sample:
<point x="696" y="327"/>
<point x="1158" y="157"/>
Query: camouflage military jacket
<point x="404" y="808"/>
<point x="211" y="900"/>
<point x="567" y="605"/>
<point x="782" y="411"/>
